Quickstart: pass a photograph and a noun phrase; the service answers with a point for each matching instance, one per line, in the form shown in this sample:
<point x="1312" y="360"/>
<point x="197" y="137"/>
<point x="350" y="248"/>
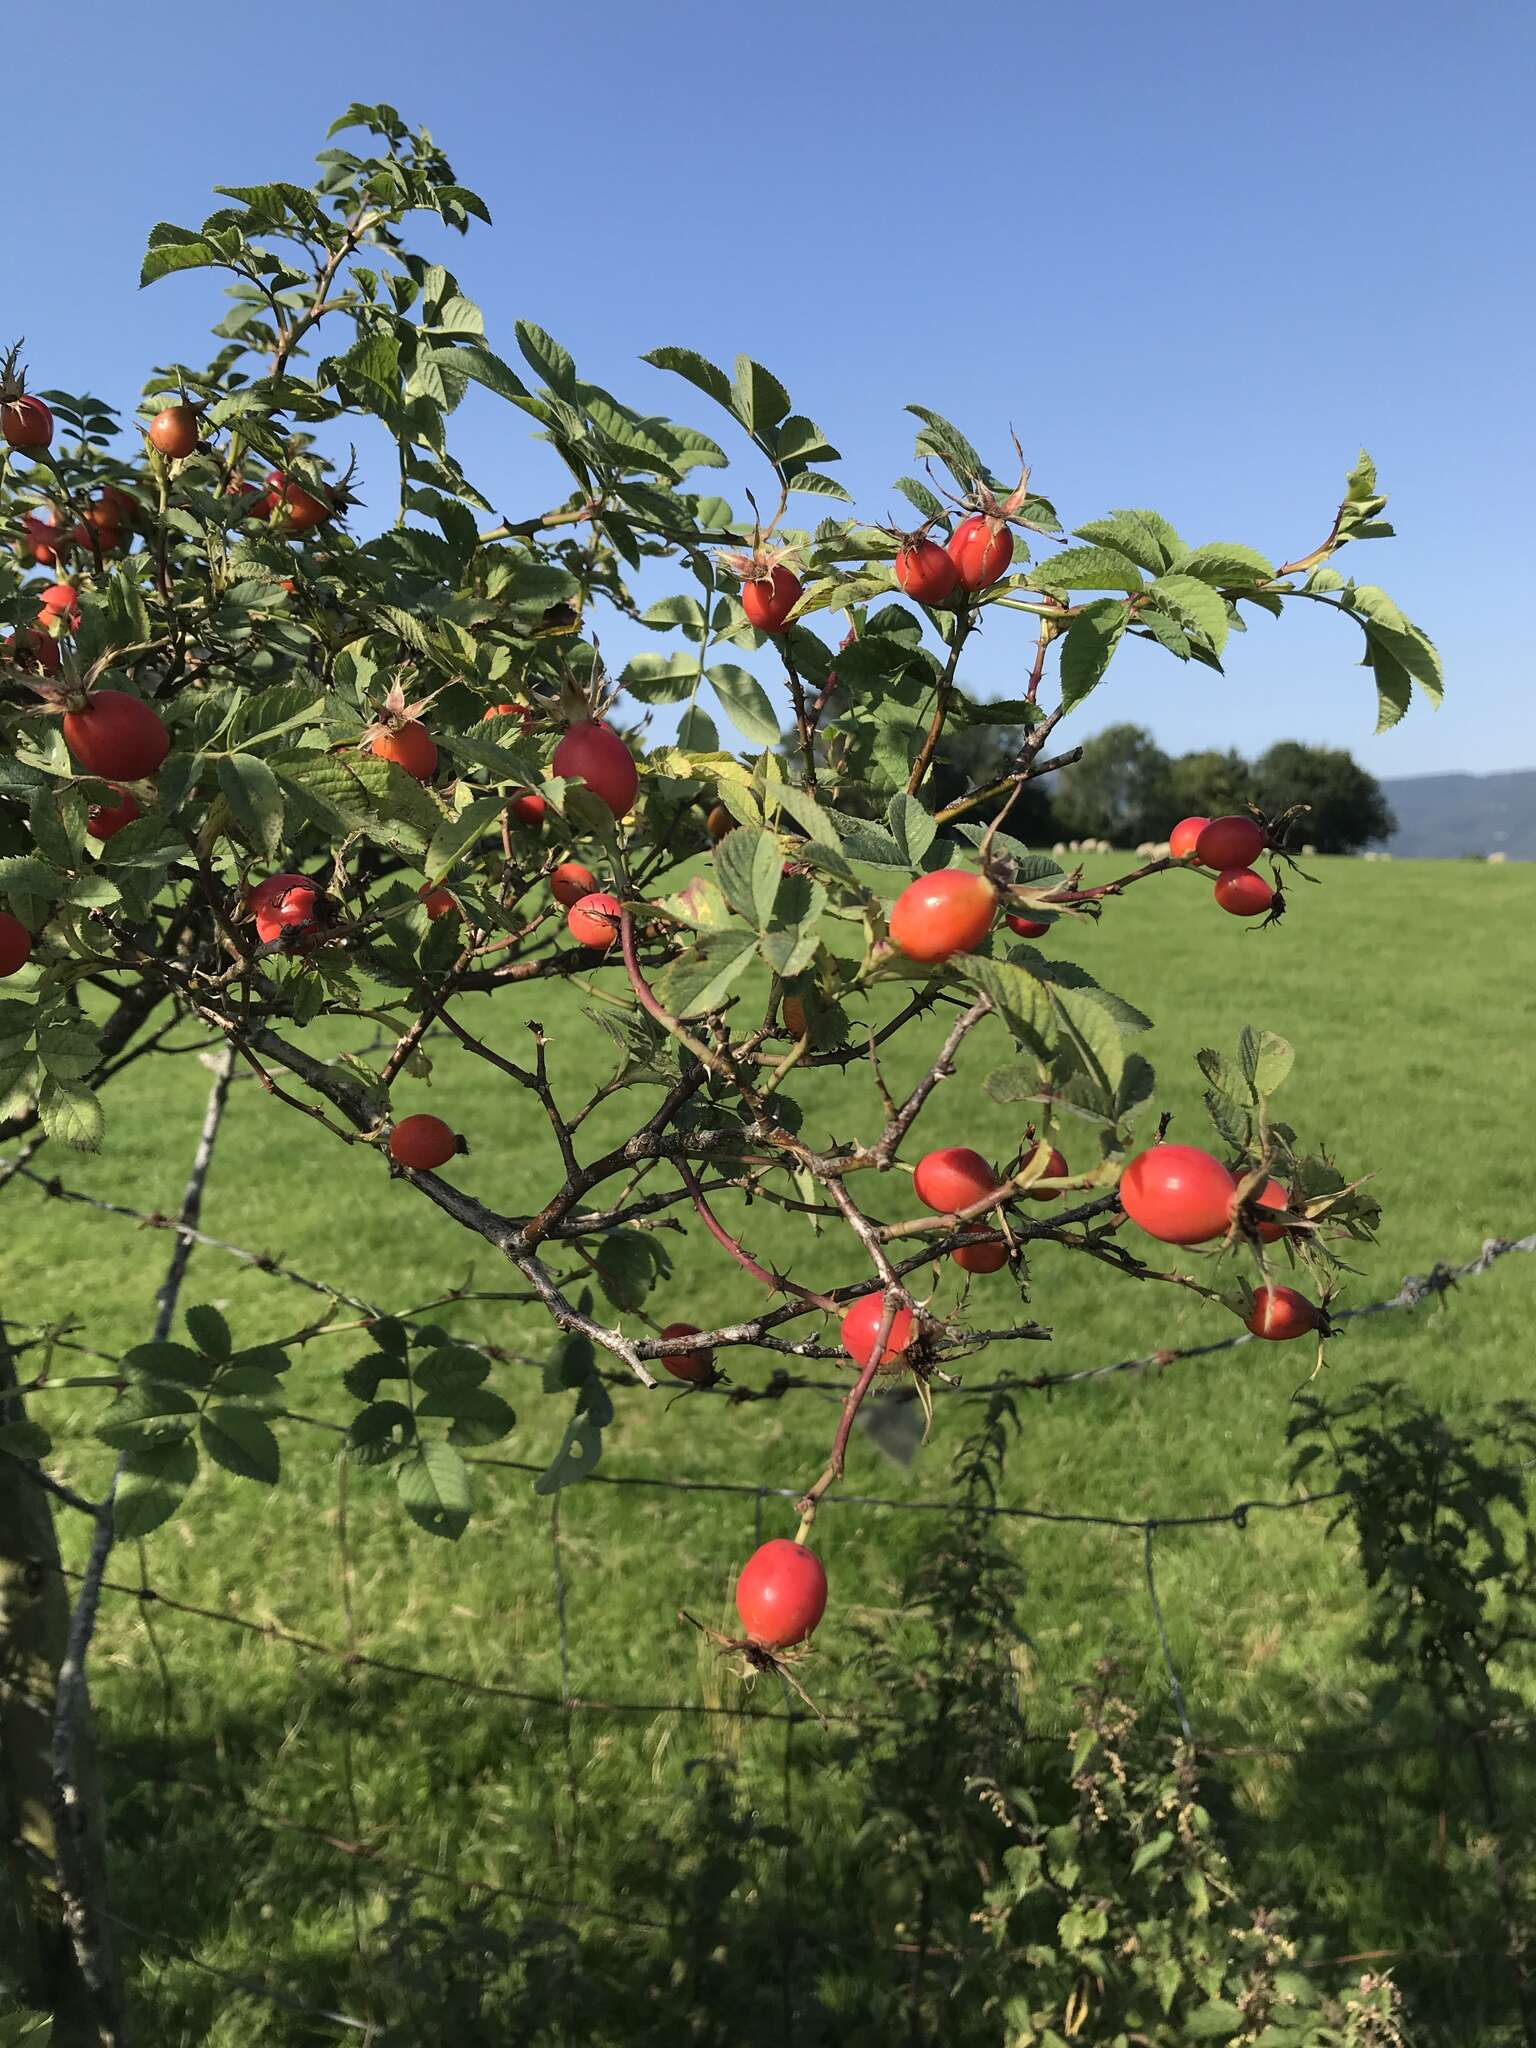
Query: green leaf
<point x="171" y="249"/>
<point x="1225" y="562"/>
<point x="1085" y="569"/>
<point x="545" y="355"/>
<point x="661" y="678"/>
<point x="23" y="875"/>
<point x="456" y="837"/>
<point x="911" y="827"/>
<point x="1195" y="605"/>
<point x="1214" y="2022"/>
<point x="1394" y="683"/>
<point x="580" y="1449"/>
<point x="939" y="438"/>
<point x="1021" y="999"/>
<point x="919" y="496"/>
<point x="66" y="1049"/>
<point x="433" y="1484"/>
<point x="1149" y="1852"/>
<point x="696" y="732"/>
<point x="148" y="1411"/>
<point x="70" y="1111"/>
<point x="1146" y="537"/>
<point x="252" y="793"/>
<point x="478" y="1415"/>
<point x="150" y="1488"/>
<point x="699" y="981"/>
<point x="699" y="371"/>
<point x="1265" y="1058"/>
<point x="452" y="1368"/>
<point x="242" y="1443"/>
<point x="758" y="399"/>
<point x="209" y="1332"/>
<point x="629" y="1263"/>
<point x="745" y="703"/>
<point x="748" y="862"/>
<point x="1090" y="642"/>
<point x="163" y="1361"/>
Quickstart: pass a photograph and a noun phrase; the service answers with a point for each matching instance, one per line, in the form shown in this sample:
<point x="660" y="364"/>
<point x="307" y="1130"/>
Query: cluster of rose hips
<point x="977" y="555"/>
<point x="1228" y="847"/>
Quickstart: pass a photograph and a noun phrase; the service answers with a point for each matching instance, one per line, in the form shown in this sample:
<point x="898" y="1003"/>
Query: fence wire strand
<point x="352" y="1842"/>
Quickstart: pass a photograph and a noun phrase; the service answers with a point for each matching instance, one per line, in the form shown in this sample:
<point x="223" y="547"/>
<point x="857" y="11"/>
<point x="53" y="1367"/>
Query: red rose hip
<point x="1229" y="843"/>
<point x="781" y="1593"/>
<point x="980" y="552"/>
<point x="116" y="736"/>
<point x="593" y="753"/>
<point x="424" y="1142"/>
<point x="15" y="945"/>
<point x="1242" y="892"/>
<point x="1280" y="1312"/>
<point x="926" y="571"/>
<point x="1184" y="839"/>
<point x="698" y="1366"/>
<point x="593" y="921"/>
<point x="952" y="1179"/>
<point x="938" y="915"/>
<point x="1178" y="1193"/>
<point x="768" y="600"/>
<point x="861" y="1326"/>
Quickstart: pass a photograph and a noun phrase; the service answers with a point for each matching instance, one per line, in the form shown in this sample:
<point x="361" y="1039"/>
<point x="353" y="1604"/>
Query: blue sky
<point x="1195" y="256"/>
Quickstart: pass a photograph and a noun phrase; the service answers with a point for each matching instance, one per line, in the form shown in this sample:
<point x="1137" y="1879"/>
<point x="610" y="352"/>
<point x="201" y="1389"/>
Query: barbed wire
<point x="570" y="1703"/>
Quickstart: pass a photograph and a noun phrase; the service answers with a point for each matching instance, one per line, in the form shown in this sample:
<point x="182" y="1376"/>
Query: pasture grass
<point x="1402" y="986"/>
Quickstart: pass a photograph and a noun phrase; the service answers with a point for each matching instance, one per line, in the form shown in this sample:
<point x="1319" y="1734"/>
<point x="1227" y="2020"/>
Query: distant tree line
<point x="1127" y="790"/>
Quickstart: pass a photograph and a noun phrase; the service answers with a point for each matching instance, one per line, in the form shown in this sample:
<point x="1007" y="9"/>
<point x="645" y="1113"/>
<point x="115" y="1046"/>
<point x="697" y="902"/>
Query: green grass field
<point x="1401" y="987"/>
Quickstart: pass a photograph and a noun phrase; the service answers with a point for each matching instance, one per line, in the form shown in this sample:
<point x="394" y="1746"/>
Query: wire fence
<point x="358" y="1847"/>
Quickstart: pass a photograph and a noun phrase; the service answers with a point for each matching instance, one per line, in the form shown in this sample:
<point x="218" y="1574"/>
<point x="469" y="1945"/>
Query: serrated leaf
<point x="919" y="496"/>
<point x="166" y="1361"/>
<point x="913" y="830"/>
<point x="132" y="1418"/>
<point x="696" y="733"/>
<point x="1146" y="537"/>
<point x="242" y="1443"/>
<point x="452" y="1367"/>
<point x="699" y="981"/>
<point x="209" y="1332"/>
<point x="1217" y="2021"/>
<point x="456" y="837"/>
<point x="24" y="875"/>
<point x="1195" y="605"/>
<point x="580" y="1449"/>
<point x="629" y="1263"/>
<point x="1265" y="1058"/>
<point x="544" y="355"/>
<point x="1021" y="1000"/>
<point x="478" y="1416"/>
<point x="746" y="703"/>
<point x="748" y="862"/>
<point x="939" y="438"/>
<point x="71" y="1112"/>
<point x="1085" y="569"/>
<point x="758" y="399"/>
<point x="697" y="369"/>
<point x="1088" y="647"/>
<point x="1225" y="562"/>
<point x="151" y="1485"/>
<point x="67" y="1049"/>
<point x="432" y="1482"/>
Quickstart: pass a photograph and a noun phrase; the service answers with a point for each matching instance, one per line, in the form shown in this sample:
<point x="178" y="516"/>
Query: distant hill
<point x="1441" y="817"/>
